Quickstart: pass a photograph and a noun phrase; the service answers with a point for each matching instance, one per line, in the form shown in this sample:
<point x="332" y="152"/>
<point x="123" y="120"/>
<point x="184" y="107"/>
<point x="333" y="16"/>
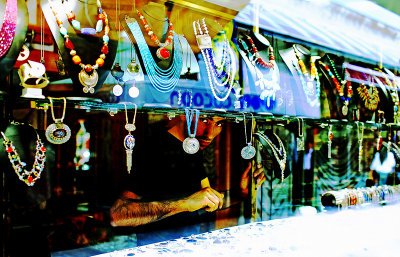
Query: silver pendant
<point x="133" y="68"/>
<point x="88" y="81"/>
<point x="248" y="152"/>
<point x="345" y="109"/>
<point x="191" y="145"/>
<point x="129" y="144"/>
<point x="58" y="133"/>
<point x="300" y="143"/>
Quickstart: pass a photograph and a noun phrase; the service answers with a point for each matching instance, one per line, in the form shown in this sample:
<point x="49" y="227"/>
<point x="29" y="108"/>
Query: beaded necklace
<point x="27" y="176"/>
<point x="307" y="79"/>
<point x="88" y="31"/>
<point x="214" y="76"/>
<point x="279" y="153"/>
<point x="256" y="55"/>
<point x="162" y="52"/>
<point x="7" y="31"/>
<point x="163" y="81"/>
<point x="88" y="75"/>
<point x="268" y="88"/>
<point x="339" y="84"/>
<point x="371" y="99"/>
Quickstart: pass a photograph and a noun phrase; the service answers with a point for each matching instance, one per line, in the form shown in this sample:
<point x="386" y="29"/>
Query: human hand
<point x="258" y="175"/>
<point x="207" y="198"/>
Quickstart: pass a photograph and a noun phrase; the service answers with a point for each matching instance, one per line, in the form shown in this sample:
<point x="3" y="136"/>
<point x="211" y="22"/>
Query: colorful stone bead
<point x="63" y="31"/>
<point x="88" y="31"/>
<point x="106" y="38"/>
<point x="76" y="59"/>
<point x="99" y="26"/>
<point x="70" y="15"/>
<point x="100" y="62"/>
<point x="104" y="49"/>
<point x="68" y="44"/>
<point x="76" y="24"/>
<point x="88" y="68"/>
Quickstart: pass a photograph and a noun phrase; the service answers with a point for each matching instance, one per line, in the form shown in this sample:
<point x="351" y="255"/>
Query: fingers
<point x="259" y="176"/>
<point x="214" y="199"/>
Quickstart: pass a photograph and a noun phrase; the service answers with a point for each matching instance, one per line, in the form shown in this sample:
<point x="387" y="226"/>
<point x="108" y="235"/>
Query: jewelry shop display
<point x="29" y="177"/>
<point x="129" y="140"/>
<point x="221" y="78"/>
<point x="58" y="132"/>
<point x="88" y="76"/>
<point x="307" y="78"/>
<point x="248" y="151"/>
<point x="279" y="153"/>
<point x="300" y="138"/>
<point x="7" y="31"/>
<point x="191" y="145"/>
<point x="163" y="81"/>
<point x="330" y="137"/>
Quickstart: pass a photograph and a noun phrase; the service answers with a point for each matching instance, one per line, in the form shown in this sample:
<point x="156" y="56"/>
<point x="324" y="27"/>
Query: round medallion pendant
<point x="133" y="68"/>
<point x="345" y="110"/>
<point x="191" y="145"/>
<point x="88" y="81"/>
<point x="58" y="133"/>
<point x="163" y="53"/>
<point x="248" y="152"/>
<point x="129" y="142"/>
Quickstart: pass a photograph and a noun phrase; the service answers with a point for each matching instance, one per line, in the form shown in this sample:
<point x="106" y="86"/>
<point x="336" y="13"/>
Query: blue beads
<point x="63" y="31"/>
<point x="99" y="26"/>
<point x="76" y="24"/>
<point x="88" y="31"/>
<point x="106" y="38"/>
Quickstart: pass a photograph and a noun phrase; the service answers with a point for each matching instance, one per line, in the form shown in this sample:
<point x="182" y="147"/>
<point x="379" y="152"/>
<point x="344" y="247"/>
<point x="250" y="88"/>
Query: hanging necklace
<point x="227" y="62"/>
<point x="162" y="52"/>
<point x="248" y="151"/>
<point x="129" y="140"/>
<point x="371" y="99"/>
<point x="300" y="138"/>
<point x="191" y="145"/>
<point x="360" y="136"/>
<point x="268" y="87"/>
<point x="88" y="76"/>
<point x="7" y="31"/>
<point x="339" y="84"/>
<point x="163" y="81"/>
<point x="307" y="78"/>
<point x="330" y="137"/>
<point x="58" y="132"/>
<point x="258" y="59"/>
<point x="101" y="16"/>
<point x="27" y="176"/>
<point x="279" y="153"/>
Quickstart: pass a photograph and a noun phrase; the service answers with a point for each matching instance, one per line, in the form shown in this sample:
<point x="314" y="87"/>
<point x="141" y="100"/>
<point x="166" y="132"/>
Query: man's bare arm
<point x="128" y="210"/>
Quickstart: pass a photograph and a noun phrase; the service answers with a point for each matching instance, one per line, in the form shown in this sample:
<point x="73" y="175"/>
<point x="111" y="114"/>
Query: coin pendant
<point x="191" y="145"/>
<point x="248" y="152"/>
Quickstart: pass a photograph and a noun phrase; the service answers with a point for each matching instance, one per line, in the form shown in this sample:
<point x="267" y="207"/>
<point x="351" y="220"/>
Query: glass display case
<point x="182" y="128"/>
